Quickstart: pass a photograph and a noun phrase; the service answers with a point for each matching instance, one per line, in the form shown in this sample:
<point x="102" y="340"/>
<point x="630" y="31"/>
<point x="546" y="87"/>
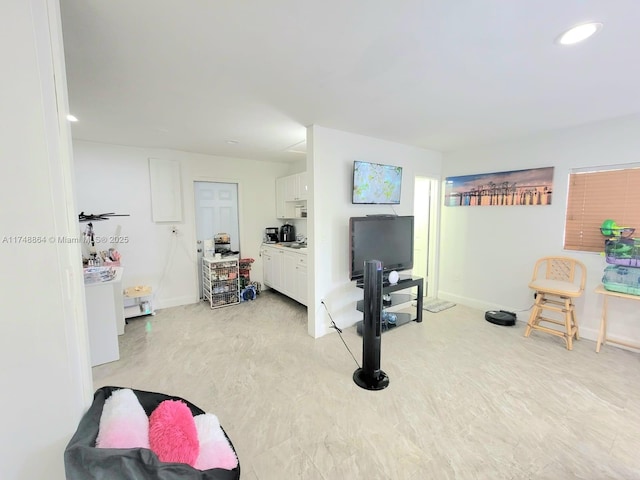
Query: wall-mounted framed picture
<point x="517" y="187"/>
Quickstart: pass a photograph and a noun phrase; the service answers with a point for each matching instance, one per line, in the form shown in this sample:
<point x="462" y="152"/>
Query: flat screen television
<point x="374" y="183"/>
<point x="385" y="238"/>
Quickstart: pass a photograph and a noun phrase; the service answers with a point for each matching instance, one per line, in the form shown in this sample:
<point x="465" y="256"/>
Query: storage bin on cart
<point x="623" y="251"/>
<point x="618" y="278"/>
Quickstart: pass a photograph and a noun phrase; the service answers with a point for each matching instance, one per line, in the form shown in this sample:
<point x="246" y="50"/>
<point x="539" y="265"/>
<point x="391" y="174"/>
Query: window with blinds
<point x="595" y="197"/>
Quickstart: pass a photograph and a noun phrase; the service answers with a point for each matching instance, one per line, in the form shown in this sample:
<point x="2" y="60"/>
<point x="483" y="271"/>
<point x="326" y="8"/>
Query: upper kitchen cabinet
<point x="292" y="193"/>
<point x="281" y="204"/>
<point x="295" y="187"/>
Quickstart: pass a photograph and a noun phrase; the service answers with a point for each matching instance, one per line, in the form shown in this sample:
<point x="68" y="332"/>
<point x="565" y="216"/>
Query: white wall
<point x="488" y="253"/>
<point x="46" y="376"/>
<point x="114" y="178"/>
<point x="330" y="165"/>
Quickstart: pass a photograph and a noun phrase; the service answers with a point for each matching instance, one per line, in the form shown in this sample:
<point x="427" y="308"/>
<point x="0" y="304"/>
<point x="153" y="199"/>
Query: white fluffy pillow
<point x="124" y="423"/>
<point x="215" y="450"/>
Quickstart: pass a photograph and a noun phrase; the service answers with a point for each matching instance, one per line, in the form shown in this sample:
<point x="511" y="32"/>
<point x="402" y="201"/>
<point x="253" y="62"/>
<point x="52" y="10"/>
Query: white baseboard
<point x="480" y="304"/>
<point x="522" y="315"/>
<point x="174" y="302"/>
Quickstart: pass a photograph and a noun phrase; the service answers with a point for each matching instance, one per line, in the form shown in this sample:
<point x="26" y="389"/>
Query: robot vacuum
<point x="500" y="317"/>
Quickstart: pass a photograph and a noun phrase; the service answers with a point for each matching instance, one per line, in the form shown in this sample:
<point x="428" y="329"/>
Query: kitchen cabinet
<point x="267" y="266"/>
<point x="300" y="290"/>
<point x="302" y="189"/>
<point x="281" y="204"/>
<point x="285" y="270"/>
<point x="291" y="192"/>
<point x="276" y="270"/>
<point x="272" y="259"/>
<point x="296" y="187"/>
<point x="288" y="270"/>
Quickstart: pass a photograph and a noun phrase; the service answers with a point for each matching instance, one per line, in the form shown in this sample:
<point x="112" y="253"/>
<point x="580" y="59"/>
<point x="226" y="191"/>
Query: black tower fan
<point x="370" y="376"/>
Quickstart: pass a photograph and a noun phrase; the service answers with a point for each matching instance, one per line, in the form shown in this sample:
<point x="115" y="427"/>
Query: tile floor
<point x="467" y="399"/>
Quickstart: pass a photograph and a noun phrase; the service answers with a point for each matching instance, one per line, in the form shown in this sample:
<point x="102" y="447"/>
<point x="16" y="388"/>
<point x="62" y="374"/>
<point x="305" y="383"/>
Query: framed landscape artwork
<point x="516" y="187"/>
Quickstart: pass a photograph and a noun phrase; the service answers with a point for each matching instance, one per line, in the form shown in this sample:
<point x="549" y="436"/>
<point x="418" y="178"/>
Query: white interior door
<point x="216" y="209"/>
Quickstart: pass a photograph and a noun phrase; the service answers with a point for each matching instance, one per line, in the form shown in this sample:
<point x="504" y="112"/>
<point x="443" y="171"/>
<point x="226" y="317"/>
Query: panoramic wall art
<point x="517" y="187"/>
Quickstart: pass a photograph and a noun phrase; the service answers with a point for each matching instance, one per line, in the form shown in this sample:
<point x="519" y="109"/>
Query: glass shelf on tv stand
<point x="397" y="299"/>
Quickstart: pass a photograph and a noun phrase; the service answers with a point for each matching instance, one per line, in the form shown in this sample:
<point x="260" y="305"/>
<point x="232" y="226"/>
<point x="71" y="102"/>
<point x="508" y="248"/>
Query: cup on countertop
<point x="218" y="256"/>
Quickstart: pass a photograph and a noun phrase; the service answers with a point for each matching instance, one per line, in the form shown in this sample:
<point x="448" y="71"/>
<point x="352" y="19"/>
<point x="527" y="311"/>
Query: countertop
<point x="295" y="246"/>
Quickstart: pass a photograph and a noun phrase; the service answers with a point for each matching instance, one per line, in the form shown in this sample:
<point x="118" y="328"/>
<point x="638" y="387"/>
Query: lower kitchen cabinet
<point x="285" y="270"/>
<point x="300" y="292"/>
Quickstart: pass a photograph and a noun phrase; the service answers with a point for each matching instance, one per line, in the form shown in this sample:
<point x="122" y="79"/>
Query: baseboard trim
<point x="174" y="302"/>
<point x="522" y="315"/>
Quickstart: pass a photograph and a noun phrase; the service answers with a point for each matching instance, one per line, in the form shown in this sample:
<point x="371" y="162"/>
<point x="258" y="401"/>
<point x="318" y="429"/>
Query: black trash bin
<point x="83" y="461"/>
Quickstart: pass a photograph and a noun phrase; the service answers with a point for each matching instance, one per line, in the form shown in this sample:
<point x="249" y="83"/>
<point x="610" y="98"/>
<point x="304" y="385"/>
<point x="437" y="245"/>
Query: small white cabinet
<point x="105" y="318"/>
<point x="274" y="273"/>
<point x="291" y="192"/>
<point x="267" y="266"/>
<point x="281" y="204"/>
<point x="288" y="277"/>
<point x="285" y="270"/>
<point x="302" y="187"/>
<point x="295" y="187"/>
<point x="300" y="275"/>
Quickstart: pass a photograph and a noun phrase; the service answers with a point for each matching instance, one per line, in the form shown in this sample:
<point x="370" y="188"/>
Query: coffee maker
<point x="271" y="234"/>
<point x="287" y="233"/>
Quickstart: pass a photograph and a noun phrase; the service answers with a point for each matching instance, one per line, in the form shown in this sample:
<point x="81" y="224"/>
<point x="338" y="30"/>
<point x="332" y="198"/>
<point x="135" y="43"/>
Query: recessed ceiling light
<point x="579" y="33"/>
<point x="71" y="118"/>
<point x="233" y="142"/>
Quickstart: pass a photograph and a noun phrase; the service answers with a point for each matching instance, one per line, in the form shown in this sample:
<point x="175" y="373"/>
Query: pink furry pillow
<point x="172" y="433"/>
<point x="123" y="423"/>
<point x="215" y="450"/>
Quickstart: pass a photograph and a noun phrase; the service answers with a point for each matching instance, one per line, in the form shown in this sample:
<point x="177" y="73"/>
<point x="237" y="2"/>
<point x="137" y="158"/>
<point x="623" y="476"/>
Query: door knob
<point x="199" y="250"/>
<point x="199" y="242"/>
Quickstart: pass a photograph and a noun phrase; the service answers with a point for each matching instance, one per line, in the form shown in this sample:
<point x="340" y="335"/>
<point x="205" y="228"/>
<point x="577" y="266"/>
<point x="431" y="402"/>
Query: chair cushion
<point x="556" y="286"/>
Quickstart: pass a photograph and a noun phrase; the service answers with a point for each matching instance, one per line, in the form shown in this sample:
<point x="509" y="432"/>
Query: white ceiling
<point x="440" y="74"/>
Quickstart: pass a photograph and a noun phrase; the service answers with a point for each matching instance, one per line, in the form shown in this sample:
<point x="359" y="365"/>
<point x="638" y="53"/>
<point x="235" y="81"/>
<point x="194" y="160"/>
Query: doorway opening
<point x="216" y="211"/>
<point x="425" y="244"/>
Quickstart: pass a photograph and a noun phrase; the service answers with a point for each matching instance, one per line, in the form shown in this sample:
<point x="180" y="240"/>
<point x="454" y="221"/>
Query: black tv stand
<point x="404" y="283"/>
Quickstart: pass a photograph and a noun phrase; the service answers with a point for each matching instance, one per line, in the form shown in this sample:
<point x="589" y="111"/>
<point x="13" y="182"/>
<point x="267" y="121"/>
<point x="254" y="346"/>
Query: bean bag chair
<point x="83" y="461"/>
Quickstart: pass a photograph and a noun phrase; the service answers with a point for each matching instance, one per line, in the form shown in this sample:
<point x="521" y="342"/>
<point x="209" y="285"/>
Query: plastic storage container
<point x="623" y="251"/>
<point x="622" y="279"/>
